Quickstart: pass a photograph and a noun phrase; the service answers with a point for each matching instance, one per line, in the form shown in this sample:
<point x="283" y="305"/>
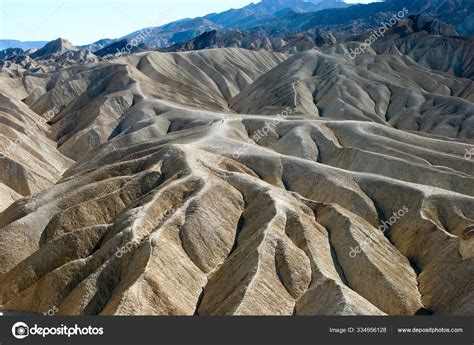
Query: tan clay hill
<point x="166" y="184"/>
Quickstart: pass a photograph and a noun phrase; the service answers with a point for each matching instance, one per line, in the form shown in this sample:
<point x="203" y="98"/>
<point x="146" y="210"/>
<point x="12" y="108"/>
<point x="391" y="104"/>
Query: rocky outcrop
<point x="56" y="47"/>
<point x="423" y="22"/>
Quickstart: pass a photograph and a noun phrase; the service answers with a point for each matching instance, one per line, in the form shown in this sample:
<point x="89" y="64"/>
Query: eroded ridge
<point x="169" y="184"/>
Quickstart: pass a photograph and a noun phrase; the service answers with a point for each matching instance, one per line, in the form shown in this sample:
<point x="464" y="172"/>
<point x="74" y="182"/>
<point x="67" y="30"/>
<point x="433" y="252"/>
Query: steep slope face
<point x="208" y="79"/>
<point x="433" y="96"/>
<point x="186" y="207"/>
<point x="118" y="48"/>
<point x="29" y="161"/>
<point x="93" y="47"/>
<point x="11" y="53"/>
<point x="424" y="22"/>
<point x="455" y="12"/>
<point x="425" y="50"/>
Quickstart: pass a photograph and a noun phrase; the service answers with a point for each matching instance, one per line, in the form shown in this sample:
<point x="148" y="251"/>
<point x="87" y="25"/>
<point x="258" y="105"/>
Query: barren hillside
<point x="237" y="182"/>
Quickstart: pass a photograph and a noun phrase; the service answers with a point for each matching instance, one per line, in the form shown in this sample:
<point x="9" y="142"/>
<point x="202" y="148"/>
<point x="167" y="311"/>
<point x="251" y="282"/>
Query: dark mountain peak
<point x="203" y="41"/>
<point x="10" y="53"/>
<point x="58" y="46"/>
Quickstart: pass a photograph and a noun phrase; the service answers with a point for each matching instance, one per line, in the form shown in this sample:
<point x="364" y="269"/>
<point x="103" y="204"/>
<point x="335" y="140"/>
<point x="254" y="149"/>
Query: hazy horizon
<point x="47" y="20"/>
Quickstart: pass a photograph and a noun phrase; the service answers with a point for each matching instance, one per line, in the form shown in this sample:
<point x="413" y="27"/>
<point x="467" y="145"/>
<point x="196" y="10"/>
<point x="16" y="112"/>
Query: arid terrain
<point x="231" y="181"/>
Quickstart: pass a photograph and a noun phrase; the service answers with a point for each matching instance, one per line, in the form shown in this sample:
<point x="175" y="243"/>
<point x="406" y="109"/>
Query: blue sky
<point x="86" y="21"/>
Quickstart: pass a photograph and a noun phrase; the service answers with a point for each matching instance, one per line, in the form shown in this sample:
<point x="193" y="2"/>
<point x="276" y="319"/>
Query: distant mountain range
<point x="459" y="13"/>
<point x="186" y="29"/>
<point x="5" y="44"/>
<point x="253" y="13"/>
<point x="267" y="23"/>
<point x="247" y="17"/>
<point x="282" y="17"/>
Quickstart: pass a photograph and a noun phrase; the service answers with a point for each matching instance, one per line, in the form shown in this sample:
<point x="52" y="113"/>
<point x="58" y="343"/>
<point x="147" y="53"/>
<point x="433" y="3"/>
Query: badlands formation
<point x="237" y="182"/>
